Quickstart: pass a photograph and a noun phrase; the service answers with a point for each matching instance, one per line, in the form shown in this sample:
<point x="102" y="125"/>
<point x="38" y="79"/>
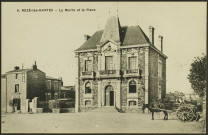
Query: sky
<point x="50" y="38"/>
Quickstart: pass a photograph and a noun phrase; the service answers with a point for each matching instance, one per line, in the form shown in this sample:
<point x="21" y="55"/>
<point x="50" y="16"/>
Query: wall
<point x="36" y="84"/>
<point x="93" y="97"/>
<point x="153" y="75"/>
<point x="162" y="81"/>
<point x="126" y="96"/>
<point x="139" y="95"/>
<point x="154" y="80"/>
<point x="52" y="90"/>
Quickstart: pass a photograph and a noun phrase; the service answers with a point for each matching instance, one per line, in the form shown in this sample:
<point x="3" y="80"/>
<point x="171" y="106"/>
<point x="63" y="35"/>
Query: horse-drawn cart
<point x="184" y="112"/>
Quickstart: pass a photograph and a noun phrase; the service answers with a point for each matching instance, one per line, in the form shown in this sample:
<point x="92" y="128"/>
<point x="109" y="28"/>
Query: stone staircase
<point x="105" y="109"/>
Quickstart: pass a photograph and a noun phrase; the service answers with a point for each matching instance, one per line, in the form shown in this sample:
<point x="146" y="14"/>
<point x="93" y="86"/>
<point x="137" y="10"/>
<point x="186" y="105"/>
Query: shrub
<point x="67" y="104"/>
<point x="54" y="104"/>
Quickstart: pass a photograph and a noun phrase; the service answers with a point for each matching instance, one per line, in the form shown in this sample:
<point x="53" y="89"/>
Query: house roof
<point x="20" y="70"/>
<point x="52" y="78"/>
<point x="111" y="30"/>
<point x="68" y="88"/>
<point x="126" y="35"/>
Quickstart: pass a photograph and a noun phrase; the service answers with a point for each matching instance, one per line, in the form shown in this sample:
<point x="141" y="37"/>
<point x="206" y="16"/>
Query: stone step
<point x="105" y="110"/>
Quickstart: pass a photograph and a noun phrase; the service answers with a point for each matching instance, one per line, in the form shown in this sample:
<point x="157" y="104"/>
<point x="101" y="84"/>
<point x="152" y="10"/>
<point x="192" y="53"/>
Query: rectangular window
<point x="49" y="97"/>
<point x="133" y="62"/>
<point x="49" y="85"/>
<point x="159" y="92"/>
<point x="16" y="88"/>
<point x="56" y="97"/>
<point x="132" y="103"/>
<point x="160" y="69"/>
<point x="109" y="63"/>
<point x="55" y="85"/>
<point x="16" y="76"/>
<point x="23" y="77"/>
<point x="88" y="65"/>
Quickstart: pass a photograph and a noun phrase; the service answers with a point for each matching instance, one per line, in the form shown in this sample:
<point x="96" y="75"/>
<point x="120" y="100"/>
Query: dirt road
<point x="95" y="123"/>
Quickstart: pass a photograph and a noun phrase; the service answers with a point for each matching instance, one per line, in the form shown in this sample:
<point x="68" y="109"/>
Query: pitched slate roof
<point x="52" y="78"/>
<point x="133" y="35"/>
<point x="92" y="41"/>
<point x="20" y="70"/>
<point x="111" y="30"/>
<point x="126" y="35"/>
<point x="68" y="88"/>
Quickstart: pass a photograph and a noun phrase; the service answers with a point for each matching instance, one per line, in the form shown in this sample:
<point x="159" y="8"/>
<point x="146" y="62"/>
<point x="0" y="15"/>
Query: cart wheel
<point x="185" y="113"/>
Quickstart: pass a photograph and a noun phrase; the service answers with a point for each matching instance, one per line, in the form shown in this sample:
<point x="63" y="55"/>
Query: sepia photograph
<point x="103" y="67"/>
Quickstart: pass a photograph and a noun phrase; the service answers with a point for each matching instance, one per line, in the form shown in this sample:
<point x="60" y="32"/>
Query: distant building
<point x="3" y="93"/>
<point x="191" y="96"/>
<point x="68" y="92"/>
<point x="120" y="67"/>
<point x="53" y="88"/>
<point x="22" y="85"/>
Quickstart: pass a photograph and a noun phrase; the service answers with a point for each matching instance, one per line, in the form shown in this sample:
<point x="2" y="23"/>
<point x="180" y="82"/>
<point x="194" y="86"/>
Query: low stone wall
<point x="55" y="110"/>
<point x="39" y="110"/>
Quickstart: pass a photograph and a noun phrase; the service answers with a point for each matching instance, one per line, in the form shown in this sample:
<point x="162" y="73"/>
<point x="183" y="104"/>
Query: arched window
<point x="87" y="88"/>
<point x="132" y="86"/>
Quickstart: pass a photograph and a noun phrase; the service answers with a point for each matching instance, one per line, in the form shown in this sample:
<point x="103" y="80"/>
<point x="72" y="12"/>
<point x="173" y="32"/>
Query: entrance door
<point x="16" y="104"/>
<point x="109" y="96"/>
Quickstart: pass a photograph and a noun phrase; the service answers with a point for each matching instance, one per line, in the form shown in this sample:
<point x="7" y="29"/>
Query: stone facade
<point x="124" y="85"/>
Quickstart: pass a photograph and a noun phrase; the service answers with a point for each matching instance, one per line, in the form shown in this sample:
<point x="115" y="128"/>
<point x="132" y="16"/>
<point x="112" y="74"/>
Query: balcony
<point x="133" y="73"/>
<point x="87" y="75"/>
<point x="109" y="73"/>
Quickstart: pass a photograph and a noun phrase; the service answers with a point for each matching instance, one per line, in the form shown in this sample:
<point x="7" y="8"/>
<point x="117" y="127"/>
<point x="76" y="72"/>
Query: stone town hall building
<point x="119" y="66"/>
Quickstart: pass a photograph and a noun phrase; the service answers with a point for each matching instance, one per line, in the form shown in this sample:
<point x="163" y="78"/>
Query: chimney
<point x="16" y="68"/>
<point x="161" y="41"/>
<point x="86" y="37"/>
<point x="151" y="34"/>
<point x="35" y="66"/>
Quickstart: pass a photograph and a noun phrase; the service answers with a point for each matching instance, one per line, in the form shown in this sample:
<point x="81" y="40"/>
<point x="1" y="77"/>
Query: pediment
<point x="109" y="47"/>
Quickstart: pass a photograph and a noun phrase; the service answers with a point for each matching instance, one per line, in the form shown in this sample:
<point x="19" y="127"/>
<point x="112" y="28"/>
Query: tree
<point x="197" y="76"/>
<point x="176" y="96"/>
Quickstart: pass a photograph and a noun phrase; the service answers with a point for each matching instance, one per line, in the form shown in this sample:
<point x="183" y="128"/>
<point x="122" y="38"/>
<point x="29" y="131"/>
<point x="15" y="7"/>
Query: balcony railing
<point x="87" y="74"/>
<point x="131" y="71"/>
<point x="109" y="73"/>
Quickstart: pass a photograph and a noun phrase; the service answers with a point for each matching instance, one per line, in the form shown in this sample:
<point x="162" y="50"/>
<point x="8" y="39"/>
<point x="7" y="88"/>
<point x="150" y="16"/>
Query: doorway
<point x="16" y="104"/>
<point x="109" y="96"/>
